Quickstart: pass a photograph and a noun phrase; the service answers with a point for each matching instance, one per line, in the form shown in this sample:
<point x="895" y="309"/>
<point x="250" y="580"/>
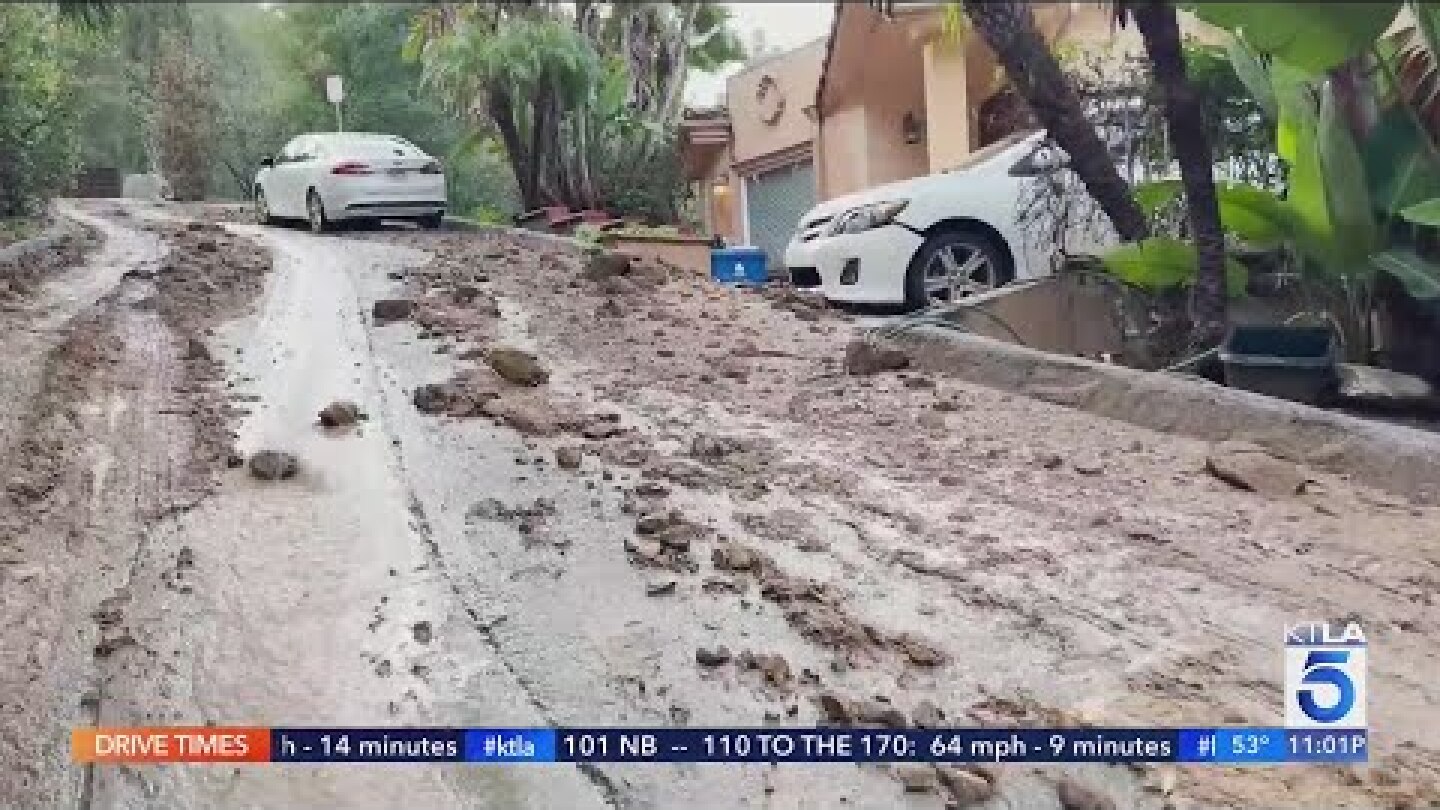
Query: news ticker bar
<point x="1227" y="746"/>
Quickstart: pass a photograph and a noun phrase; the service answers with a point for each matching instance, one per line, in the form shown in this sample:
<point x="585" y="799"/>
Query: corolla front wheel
<point x="955" y="264"/>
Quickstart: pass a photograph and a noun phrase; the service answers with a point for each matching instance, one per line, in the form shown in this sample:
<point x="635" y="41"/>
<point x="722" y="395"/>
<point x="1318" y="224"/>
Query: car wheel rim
<point x="958" y="270"/>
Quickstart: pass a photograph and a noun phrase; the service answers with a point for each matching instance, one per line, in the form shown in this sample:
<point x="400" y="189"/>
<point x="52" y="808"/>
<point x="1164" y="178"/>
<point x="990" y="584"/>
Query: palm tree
<point x="93" y="13"/>
<point x="546" y="77"/>
<point x="1009" y="28"/>
<point x="1190" y="141"/>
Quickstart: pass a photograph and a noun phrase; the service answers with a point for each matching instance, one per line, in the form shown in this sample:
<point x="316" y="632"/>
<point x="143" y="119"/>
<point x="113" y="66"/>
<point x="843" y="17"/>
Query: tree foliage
<point x="182" y="118"/>
<point x="584" y="97"/>
<point x="38" y="133"/>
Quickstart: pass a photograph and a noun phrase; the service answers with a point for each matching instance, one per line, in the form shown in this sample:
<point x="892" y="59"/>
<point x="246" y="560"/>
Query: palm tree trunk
<point x="539" y="123"/>
<point x="1009" y="28"/>
<point x="1190" y="143"/>
<point x="680" y="47"/>
<point x="501" y="110"/>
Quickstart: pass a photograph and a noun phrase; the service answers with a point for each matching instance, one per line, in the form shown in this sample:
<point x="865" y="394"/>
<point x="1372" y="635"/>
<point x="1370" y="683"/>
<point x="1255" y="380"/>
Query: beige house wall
<point x="791" y="78"/>
<point x="842" y="153"/>
<point x="949" y="119"/>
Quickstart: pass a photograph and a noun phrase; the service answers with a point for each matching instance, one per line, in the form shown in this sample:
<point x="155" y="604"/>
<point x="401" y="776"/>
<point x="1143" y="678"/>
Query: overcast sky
<point x="782" y="25"/>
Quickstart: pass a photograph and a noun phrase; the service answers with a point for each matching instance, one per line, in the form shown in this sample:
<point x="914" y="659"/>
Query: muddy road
<point x="582" y="496"/>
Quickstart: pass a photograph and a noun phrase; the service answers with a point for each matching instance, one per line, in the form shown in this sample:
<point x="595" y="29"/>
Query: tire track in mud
<point x="609" y="791"/>
<point x="122" y="436"/>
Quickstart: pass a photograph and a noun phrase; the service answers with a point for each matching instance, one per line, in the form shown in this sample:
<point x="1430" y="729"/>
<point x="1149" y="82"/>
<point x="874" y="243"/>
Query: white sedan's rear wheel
<point x="315" y="211"/>
<point x="262" y="207"/>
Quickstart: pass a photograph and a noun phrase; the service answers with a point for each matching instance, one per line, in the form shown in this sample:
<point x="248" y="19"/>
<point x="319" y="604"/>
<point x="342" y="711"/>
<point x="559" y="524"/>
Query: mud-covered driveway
<point x="684" y="512"/>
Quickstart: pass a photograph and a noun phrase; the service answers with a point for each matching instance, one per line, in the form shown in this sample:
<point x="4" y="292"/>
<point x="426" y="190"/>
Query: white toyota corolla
<point x="929" y="239"/>
<point x="326" y="177"/>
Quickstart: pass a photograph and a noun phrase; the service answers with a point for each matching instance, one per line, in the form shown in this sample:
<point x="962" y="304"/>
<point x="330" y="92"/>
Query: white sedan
<point x="934" y="238"/>
<point x="327" y="177"/>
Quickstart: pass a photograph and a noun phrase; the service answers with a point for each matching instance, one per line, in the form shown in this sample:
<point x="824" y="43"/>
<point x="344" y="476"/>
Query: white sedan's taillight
<point x="352" y="168"/>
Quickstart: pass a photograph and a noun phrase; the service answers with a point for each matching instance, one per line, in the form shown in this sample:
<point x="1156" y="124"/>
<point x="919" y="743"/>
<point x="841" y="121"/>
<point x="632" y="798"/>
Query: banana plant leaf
<point x="1252" y="73"/>
<point x="1156" y="194"/>
<point x="1347" y="194"/>
<point x="1249" y="213"/>
<point x="1398" y="168"/>
<point x="1311" y="36"/>
<point x="1419" y="276"/>
<point x="1424" y="213"/>
<point x="1161" y="263"/>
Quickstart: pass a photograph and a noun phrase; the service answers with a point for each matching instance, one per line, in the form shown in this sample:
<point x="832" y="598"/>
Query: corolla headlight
<point x="867" y="217"/>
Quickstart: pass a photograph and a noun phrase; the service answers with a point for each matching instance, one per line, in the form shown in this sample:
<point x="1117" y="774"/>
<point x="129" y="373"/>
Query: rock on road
<point x="690" y="471"/>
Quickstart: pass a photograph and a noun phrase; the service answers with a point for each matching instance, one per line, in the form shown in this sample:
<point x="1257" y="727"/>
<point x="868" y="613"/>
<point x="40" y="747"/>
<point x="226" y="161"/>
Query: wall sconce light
<point x="912" y="128"/>
<point x="722" y="183"/>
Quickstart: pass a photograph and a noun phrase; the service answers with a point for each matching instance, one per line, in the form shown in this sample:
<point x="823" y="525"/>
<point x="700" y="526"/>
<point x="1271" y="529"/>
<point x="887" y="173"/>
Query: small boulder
<point x="517" y="366"/>
<point x="569" y="456"/>
<point x="733" y="557"/>
<point x="879" y="713"/>
<point x="610" y="309"/>
<point x="706" y="657"/>
<point x="389" y="310"/>
<point x="917" y="778"/>
<point x="834" y="709"/>
<point x="774" y="668"/>
<point x="271" y="465"/>
<point x="195" y="349"/>
<point x="1075" y="796"/>
<point x="864" y="358"/>
<point x="605" y="264"/>
<point x="434" y="397"/>
<point x="664" y="587"/>
<point x="927" y="715"/>
<point x="1248" y="467"/>
<point x="340" y="413"/>
<point x="967" y="786"/>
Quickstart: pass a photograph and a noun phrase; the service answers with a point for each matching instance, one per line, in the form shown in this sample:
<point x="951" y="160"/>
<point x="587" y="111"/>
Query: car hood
<point x="899" y="190"/>
<point x="916" y="186"/>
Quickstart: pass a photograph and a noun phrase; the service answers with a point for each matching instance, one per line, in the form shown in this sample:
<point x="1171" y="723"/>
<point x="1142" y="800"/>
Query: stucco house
<point x="886" y="96"/>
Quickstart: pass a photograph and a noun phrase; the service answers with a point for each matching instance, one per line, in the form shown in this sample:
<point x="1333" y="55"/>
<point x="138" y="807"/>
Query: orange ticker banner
<point x="171" y="744"/>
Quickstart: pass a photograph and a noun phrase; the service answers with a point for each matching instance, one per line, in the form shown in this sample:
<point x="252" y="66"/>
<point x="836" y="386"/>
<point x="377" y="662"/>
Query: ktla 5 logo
<point x="1324" y="675"/>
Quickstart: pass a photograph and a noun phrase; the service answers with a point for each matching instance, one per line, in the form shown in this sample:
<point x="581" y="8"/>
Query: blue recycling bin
<point x="739" y="265"/>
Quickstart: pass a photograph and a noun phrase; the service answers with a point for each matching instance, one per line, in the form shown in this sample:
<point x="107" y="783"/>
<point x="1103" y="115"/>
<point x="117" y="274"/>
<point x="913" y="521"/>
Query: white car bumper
<point x="858" y="268"/>
<point x="381" y="196"/>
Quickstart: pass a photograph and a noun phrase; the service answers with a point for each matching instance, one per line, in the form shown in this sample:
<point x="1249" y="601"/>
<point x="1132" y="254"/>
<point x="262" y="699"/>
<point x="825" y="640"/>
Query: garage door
<point x="776" y="200"/>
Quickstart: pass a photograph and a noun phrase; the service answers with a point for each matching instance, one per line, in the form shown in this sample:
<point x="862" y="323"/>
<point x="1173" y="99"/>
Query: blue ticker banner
<point x="1223" y="746"/>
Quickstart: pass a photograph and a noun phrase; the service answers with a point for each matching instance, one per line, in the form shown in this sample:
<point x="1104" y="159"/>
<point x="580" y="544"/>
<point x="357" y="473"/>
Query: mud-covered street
<point x="572" y="492"/>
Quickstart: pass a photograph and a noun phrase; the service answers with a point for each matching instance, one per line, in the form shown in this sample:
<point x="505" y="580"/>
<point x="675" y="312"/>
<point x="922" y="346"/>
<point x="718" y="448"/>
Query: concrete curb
<point x="1400" y="460"/>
